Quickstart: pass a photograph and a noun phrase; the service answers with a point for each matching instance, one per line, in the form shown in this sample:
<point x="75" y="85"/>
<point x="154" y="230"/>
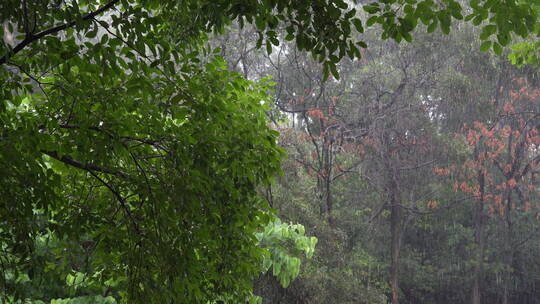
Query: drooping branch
<point x="151" y="142"/>
<point x="84" y="166"/>
<point x="120" y="199"/>
<point x="30" y="37"/>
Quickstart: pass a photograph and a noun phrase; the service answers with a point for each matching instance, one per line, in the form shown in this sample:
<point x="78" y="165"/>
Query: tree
<point x="340" y="132"/>
<point x="500" y="174"/>
<point x="151" y="170"/>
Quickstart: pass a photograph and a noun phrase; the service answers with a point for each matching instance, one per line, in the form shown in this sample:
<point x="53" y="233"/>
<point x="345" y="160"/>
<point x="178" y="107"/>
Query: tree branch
<point x="417" y="166"/>
<point x="151" y="142"/>
<point x="88" y="167"/>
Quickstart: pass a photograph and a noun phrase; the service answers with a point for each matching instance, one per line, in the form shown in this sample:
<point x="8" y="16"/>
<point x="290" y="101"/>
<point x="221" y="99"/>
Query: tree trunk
<point x="508" y="251"/>
<point x="395" y="227"/>
<point x="329" y="202"/>
<point x="479" y="256"/>
<point x="480" y="242"/>
<point x="327" y="174"/>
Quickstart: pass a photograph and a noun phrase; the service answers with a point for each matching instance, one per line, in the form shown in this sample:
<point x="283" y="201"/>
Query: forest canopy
<point x="132" y="157"/>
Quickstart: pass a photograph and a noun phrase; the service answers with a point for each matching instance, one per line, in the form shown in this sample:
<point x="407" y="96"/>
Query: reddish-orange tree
<point x="501" y="174"/>
<point x="323" y="145"/>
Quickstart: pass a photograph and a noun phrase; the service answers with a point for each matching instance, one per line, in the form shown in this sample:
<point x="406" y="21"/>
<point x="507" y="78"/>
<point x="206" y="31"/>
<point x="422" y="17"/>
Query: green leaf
<point x="358" y="25"/>
<point x="350" y="13"/>
<point x="333" y="69"/>
<point x="260" y="23"/>
<point x="407" y="37"/>
<point x="497" y="49"/>
<point x="487" y="31"/>
<point x="408" y="9"/>
<point x="372" y="8"/>
<point x="92" y="33"/>
<point x="372" y="20"/>
<point x="432" y="27"/>
<point x="485" y="46"/>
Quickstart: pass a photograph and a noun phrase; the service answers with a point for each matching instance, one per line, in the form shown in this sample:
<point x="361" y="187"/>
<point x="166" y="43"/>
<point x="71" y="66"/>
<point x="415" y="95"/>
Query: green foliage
<point x="284" y="242"/>
<point x="211" y="149"/>
<point x="399" y="18"/>
<point x="525" y="53"/>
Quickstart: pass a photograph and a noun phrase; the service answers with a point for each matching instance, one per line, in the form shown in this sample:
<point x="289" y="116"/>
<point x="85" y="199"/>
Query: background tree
<point x="456" y="87"/>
